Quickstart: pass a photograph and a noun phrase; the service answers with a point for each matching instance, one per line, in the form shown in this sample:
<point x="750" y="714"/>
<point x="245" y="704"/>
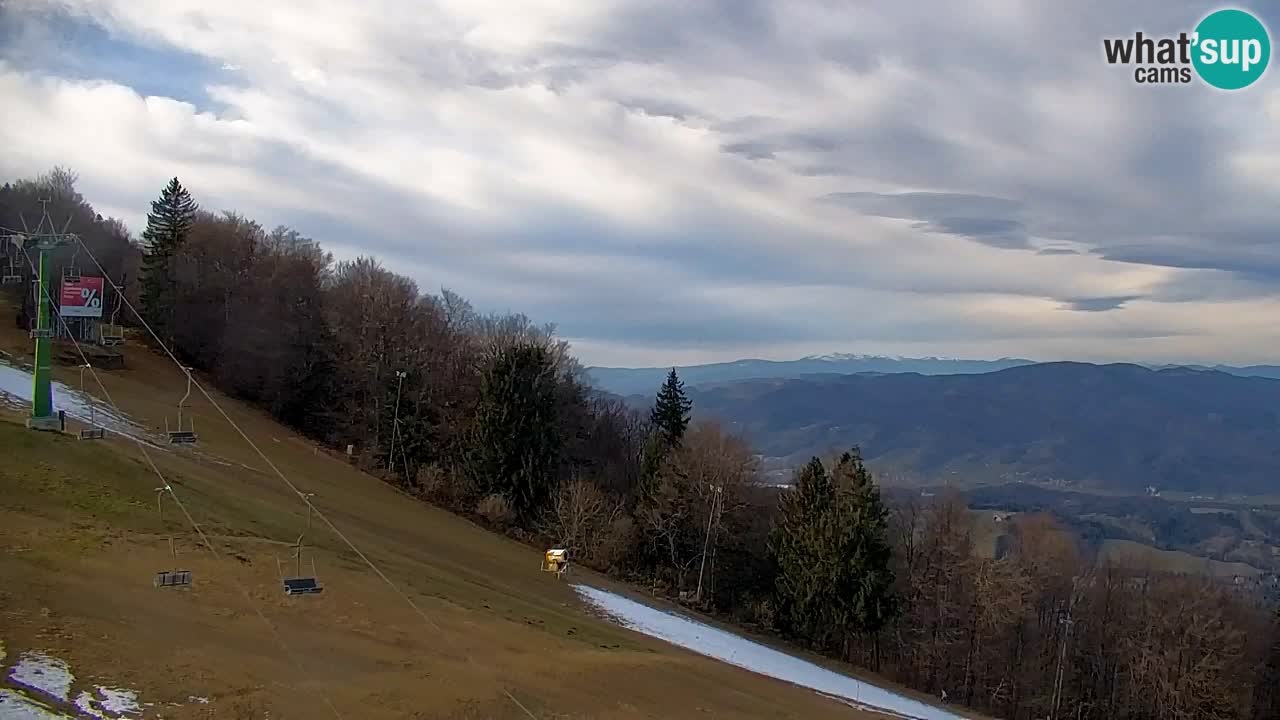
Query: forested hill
<point x="1121" y="427"/>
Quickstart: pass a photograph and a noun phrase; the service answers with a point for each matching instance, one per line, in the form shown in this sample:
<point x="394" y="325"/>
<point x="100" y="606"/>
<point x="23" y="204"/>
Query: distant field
<point x="1127" y="553"/>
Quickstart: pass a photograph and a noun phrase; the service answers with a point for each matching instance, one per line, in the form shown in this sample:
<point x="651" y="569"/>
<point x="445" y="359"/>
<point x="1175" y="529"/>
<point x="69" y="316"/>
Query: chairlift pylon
<point x="179" y="435"/>
<point x="95" y="431"/>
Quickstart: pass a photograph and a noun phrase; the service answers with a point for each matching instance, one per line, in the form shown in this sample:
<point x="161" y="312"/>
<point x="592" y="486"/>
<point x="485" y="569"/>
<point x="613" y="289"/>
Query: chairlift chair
<point x="169" y="578"/>
<point x="112" y="333"/>
<point x="71" y="272"/>
<point x="172" y="578"/>
<point x="11" y="276"/>
<point x="179" y="435"/>
<point x="300" y="584"/>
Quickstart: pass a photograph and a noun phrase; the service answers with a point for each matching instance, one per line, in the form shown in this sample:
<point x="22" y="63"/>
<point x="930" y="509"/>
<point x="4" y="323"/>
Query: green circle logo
<point x="1231" y="49"/>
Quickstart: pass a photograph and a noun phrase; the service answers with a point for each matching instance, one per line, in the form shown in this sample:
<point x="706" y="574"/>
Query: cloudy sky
<point x="678" y="181"/>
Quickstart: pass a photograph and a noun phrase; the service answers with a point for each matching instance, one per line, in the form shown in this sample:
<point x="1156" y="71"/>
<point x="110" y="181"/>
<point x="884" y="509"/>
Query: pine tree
<point x="670" y="415"/>
<point x="168" y="225"/>
<point x="516" y="441"/>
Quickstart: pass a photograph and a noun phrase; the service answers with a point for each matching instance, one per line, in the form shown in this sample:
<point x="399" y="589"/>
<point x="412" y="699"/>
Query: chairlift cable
<point x="182" y="506"/>
<point x="372" y="566"/>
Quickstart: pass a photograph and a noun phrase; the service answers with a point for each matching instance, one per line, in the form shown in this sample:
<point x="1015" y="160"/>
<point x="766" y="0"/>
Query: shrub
<point x="613" y="551"/>
<point x="496" y="510"/>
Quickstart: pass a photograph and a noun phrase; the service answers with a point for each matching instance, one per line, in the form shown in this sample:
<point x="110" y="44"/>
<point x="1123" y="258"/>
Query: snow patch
<point x="115" y="701"/>
<point x="16" y="706"/>
<point x="49" y="675"/>
<point x="45" y="678"/>
<point x="735" y="650"/>
<point x="16" y="390"/>
<point x="197" y="699"/>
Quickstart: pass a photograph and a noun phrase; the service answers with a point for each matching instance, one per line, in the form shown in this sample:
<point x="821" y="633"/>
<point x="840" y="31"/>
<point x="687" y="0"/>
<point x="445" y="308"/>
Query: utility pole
<point x="42" y="415"/>
<point x="715" y="501"/>
<point x="395" y="423"/>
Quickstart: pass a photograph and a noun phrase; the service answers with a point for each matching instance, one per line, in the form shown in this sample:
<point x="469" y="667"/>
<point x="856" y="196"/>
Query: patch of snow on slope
<point x="16" y="706"/>
<point x="116" y="701"/>
<point x="49" y="675"/>
<point x="736" y="650"/>
<point x="16" y="391"/>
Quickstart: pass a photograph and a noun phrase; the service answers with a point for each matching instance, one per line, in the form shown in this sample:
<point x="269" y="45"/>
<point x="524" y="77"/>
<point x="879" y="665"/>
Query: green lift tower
<point x="42" y="415"/>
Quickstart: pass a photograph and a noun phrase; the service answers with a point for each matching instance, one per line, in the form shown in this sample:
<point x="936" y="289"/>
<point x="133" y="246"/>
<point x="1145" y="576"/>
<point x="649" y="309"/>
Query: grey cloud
<point x="1099" y="304"/>
<point x="1199" y="253"/>
<point x="1057" y="251"/>
<point x="750" y="150"/>
<point x="996" y="232"/>
<point x="980" y="218"/>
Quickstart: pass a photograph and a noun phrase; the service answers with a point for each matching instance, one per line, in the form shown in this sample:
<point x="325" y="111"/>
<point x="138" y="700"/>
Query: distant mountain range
<point x="628" y="381"/>
<point x="1117" y="427"/>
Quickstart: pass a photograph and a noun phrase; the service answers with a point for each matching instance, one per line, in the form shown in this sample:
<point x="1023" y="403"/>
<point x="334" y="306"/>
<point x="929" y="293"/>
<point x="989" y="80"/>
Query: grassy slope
<point x="1127" y="553"/>
<point x="80" y="539"/>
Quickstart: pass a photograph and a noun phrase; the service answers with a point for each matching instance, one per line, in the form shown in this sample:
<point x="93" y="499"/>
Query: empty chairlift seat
<point x="301" y="586"/>
<point x="111" y="335"/>
<point x="173" y="578"/>
<point x="182" y="435"/>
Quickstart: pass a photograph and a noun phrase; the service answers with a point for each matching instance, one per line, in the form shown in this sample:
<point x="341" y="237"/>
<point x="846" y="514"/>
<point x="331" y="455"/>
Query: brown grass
<point x="80" y="541"/>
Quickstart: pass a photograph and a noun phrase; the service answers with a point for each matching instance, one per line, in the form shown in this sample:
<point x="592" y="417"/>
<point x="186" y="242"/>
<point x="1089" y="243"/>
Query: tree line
<point x="490" y="416"/>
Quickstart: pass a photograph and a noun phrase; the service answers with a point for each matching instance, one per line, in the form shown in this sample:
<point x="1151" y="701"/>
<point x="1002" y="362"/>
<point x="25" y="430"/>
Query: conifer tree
<point x="855" y="541"/>
<point x="833" y="555"/>
<point x="168" y="225"/>
<point x="516" y="439"/>
<point x="795" y="545"/>
<point x="670" y="415"/>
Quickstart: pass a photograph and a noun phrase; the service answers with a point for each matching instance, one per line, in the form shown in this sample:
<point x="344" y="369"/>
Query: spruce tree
<point x="670" y="415"/>
<point x="795" y="547"/>
<point x="516" y="440"/>
<point x="168" y="225"/>
<point x="832" y="553"/>
<point x="856" y="541"/>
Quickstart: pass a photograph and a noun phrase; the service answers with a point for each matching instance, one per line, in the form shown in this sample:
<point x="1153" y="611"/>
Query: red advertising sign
<point x="81" y="298"/>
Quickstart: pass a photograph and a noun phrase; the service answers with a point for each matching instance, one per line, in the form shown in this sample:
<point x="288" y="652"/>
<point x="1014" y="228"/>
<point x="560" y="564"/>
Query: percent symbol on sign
<point x="90" y="297"/>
